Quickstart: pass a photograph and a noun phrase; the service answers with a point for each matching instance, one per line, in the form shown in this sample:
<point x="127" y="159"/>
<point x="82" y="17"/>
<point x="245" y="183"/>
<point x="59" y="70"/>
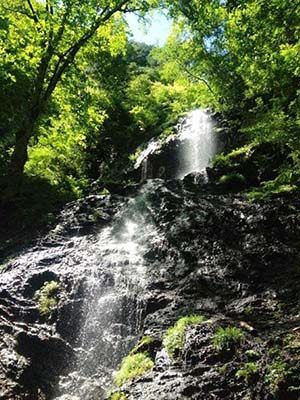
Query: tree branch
<point x="69" y="55"/>
<point x="22" y="12"/>
<point x="34" y="14"/>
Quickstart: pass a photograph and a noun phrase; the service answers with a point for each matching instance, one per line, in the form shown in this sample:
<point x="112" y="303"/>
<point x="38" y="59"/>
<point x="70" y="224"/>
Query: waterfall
<point x="117" y="270"/>
<point x="112" y="308"/>
<point x="191" y="149"/>
<point x="198" y="143"/>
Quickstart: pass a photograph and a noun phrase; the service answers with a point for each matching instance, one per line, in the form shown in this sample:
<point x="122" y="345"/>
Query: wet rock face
<point x="35" y="348"/>
<point x="217" y="255"/>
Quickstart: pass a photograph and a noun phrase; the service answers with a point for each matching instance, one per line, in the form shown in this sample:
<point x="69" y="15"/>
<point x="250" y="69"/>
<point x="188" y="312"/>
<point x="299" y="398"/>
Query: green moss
<point x="105" y="192"/>
<point x="249" y="310"/>
<point x="247" y="371"/>
<point x="252" y="354"/>
<point x="226" y="338"/>
<point x="174" y="337"/>
<point x="5" y="264"/>
<point x="223" y="369"/>
<point x="276" y="374"/>
<point x="143" y="344"/>
<point x="269" y="189"/>
<point x="96" y="216"/>
<point x="232" y="179"/>
<point x="117" y="396"/>
<point x="292" y="343"/>
<point x="132" y="366"/>
<point x="46" y="297"/>
<point x="232" y="159"/>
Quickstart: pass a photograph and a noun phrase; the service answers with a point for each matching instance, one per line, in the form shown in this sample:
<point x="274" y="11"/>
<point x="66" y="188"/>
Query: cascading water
<point x="198" y="143"/>
<point x="118" y="274"/>
<point x="112" y="310"/>
<point x="191" y="149"/>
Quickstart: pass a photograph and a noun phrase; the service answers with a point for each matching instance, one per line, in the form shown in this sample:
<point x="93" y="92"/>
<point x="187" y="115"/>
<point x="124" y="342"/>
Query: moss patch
<point x="174" y="337"/>
<point x="47" y="297"/>
<point x="133" y="366"/>
<point x="227" y="338"/>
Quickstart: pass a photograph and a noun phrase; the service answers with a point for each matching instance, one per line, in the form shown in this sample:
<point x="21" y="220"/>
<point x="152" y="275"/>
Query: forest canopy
<point x="78" y="96"/>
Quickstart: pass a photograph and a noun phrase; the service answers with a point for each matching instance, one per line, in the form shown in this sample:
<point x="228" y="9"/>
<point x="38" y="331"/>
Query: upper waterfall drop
<point x="191" y="149"/>
<point x="198" y="143"/>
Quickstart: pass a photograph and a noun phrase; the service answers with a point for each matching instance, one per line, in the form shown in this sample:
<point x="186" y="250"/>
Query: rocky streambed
<point x="202" y="252"/>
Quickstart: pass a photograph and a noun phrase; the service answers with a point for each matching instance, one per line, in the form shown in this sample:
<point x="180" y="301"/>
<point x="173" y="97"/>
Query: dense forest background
<point x="79" y="98"/>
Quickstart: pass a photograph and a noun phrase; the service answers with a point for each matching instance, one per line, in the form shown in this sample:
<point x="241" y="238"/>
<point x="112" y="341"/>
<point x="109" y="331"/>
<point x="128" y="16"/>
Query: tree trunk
<point x="17" y="163"/>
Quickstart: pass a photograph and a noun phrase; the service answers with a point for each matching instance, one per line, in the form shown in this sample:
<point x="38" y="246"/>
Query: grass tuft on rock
<point x="175" y="335"/>
<point x="227" y="338"/>
<point x="247" y="372"/>
<point x="133" y="366"/>
<point x="143" y="345"/>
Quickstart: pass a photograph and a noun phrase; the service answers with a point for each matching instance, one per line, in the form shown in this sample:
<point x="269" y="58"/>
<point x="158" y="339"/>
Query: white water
<point x="117" y="275"/>
<point x="196" y="147"/>
<point x="111" y="311"/>
<point x="198" y="143"/>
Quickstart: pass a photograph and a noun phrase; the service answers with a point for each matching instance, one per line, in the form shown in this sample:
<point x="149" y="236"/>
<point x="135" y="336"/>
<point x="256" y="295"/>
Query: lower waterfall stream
<point x="117" y="275"/>
<point x="111" y="311"/>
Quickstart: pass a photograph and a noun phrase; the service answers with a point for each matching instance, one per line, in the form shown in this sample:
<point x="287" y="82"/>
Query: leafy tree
<point x="42" y="40"/>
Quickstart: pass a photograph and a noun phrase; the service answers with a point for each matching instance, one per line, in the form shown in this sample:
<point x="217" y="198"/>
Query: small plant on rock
<point x="232" y="179"/>
<point x="117" y="396"/>
<point x="46" y="297"/>
<point x="247" y="372"/>
<point x="143" y="345"/>
<point x="133" y="366"/>
<point x="174" y="337"/>
<point x="227" y="338"/>
<point x="276" y="374"/>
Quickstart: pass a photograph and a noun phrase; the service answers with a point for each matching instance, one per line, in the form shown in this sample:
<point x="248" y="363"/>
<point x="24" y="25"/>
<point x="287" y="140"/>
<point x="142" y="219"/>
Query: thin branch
<point x="22" y="12"/>
<point x="198" y="78"/>
<point x="34" y="14"/>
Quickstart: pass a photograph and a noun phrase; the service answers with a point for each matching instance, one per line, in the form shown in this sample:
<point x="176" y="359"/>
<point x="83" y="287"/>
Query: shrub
<point x="174" y="337"/>
<point x="46" y="297"/>
<point x="226" y="338"/>
<point x="132" y="366"/>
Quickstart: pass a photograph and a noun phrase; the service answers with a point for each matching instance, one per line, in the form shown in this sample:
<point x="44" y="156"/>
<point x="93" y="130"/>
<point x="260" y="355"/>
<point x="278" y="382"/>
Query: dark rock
<point x="235" y="262"/>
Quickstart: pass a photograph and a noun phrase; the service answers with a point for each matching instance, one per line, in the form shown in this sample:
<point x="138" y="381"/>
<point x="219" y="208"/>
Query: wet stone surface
<point x="187" y="250"/>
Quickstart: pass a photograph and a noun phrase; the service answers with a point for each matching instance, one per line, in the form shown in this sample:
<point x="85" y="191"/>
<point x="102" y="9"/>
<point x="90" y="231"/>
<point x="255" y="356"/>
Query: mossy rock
<point x="174" y="338"/>
<point x="233" y="181"/>
<point x="256" y="162"/>
<point x="147" y="345"/>
<point x="133" y="366"/>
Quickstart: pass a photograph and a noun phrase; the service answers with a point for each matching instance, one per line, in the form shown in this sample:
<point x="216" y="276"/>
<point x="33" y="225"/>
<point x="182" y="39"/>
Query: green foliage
<point x="232" y="179"/>
<point x="143" y="344"/>
<point x="247" y="54"/>
<point x="252" y="354"/>
<point x="47" y="297"/>
<point x="276" y="374"/>
<point x="175" y="335"/>
<point x="247" y="372"/>
<point x="227" y="338"/>
<point x="133" y="366"/>
<point x="223" y="369"/>
<point x="117" y="396"/>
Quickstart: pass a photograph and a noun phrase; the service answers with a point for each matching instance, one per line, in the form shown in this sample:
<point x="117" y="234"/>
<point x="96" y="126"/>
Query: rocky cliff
<point x="214" y="255"/>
